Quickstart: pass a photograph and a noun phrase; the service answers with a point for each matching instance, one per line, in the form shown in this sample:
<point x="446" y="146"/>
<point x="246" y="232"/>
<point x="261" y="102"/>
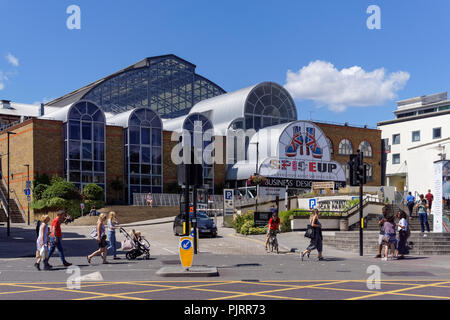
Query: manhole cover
<point x="408" y="274"/>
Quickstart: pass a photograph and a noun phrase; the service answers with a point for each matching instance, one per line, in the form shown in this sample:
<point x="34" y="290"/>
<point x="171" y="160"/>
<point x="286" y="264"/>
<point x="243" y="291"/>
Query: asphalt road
<point x="246" y="271"/>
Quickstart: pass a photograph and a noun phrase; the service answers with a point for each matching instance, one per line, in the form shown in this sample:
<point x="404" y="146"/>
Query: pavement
<point x="245" y="270"/>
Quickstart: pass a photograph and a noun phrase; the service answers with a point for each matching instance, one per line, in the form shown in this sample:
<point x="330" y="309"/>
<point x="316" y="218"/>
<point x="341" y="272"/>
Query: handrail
<point x="16" y="198"/>
<point x="367" y="199"/>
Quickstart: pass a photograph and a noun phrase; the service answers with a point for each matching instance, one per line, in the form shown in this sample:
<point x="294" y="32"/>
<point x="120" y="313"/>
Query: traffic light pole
<point x="361" y="216"/>
<point x="194" y="218"/>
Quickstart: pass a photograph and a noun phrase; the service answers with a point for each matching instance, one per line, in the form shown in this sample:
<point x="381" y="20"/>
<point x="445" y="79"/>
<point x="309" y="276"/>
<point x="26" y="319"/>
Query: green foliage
<point x="61" y="189"/>
<point x="285" y="221"/>
<point x="350" y="204"/>
<point x="245" y="224"/>
<point x="92" y="191"/>
<point x="38" y="190"/>
<point x="38" y="205"/>
<point x="41" y="179"/>
<point x="56" y="203"/>
<point x="88" y="204"/>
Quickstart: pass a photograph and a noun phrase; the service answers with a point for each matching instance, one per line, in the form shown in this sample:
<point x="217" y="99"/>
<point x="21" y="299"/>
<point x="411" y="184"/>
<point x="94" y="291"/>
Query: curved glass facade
<point x="267" y="105"/>
<point x="143" y="152"/>
<point x="167" y="85"/>
<point x="189" y="125"/>
<point x="84" y="145"/>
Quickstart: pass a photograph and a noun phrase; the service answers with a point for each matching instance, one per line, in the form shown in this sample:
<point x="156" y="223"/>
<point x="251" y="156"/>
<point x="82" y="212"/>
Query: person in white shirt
<point x="402" y="227"/>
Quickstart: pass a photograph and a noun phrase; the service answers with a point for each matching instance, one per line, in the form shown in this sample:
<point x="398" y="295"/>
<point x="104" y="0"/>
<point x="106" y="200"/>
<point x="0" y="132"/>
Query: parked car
<point x="205" y="225"/>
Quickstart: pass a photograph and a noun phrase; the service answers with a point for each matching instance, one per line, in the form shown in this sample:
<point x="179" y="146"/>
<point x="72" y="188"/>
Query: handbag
<point x="309" y="232"/>
<point x="127" y="244"/>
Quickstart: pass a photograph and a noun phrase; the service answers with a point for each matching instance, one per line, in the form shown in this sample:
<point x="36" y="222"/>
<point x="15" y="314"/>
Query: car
<point x="205" y="225"/>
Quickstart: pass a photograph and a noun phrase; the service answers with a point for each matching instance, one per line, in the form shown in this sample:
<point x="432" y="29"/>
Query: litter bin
<point x="343" y="225"/>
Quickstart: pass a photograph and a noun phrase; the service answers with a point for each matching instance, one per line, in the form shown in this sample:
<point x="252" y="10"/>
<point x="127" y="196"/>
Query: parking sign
<point x="312" y="203"/>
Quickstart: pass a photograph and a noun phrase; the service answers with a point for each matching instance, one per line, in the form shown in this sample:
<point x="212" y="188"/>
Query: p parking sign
<point x="312" y="204"/>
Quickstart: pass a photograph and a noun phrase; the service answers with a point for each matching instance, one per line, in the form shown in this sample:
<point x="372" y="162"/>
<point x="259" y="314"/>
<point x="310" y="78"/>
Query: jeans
<point x="112" y="242"/>
<point x="424" y="220"/>
<point x="410" y="208"/>
<point x="58" y="245"/>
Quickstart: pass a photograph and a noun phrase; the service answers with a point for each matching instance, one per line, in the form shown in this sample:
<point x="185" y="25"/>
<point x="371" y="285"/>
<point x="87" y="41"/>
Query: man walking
<point x="56" y="238"/>
<point x="430" y="198"/>
<point x="410" y="201"/>
<point x="422" y="207"/>
<point x="381" y="220"/>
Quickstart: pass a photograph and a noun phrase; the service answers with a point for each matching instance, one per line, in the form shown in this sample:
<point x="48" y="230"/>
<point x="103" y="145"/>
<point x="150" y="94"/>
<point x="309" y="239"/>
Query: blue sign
<point x="27" y="192"/>
<point x="28" y="184"/>
<point x="186" y="244"/>
<point x="312" y="203"/>
<point x="28" y="198"/>
<point x="228" y="195"/>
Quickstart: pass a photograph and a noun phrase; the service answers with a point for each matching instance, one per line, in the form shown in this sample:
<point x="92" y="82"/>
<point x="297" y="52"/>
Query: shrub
<point x="39" y="190"/>
<point x="245" y="229"/>
<point x="61" y="189"/>
<point x="350" y="204"/>
<point x="88" y="204"/>
<point x="93" y="192"/>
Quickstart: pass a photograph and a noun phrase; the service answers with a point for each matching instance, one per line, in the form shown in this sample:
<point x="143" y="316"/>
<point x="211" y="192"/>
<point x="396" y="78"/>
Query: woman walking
<point x="403" y="234"/>
<point x="316" y="240"/>
<point x="42" y="244"/>
<point x="389" y="239"/>
<point x="101" y="239"/>
<point x="112" y="226"/>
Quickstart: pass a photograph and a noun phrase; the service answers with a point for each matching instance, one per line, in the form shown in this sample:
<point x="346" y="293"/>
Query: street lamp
<point x="256" y="172"/>
<point x="26" y="187"/>
<point x="8" y="198"/>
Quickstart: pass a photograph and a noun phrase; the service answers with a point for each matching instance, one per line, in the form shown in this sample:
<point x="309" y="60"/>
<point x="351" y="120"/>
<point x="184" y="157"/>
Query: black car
<point x="205" y="225"/>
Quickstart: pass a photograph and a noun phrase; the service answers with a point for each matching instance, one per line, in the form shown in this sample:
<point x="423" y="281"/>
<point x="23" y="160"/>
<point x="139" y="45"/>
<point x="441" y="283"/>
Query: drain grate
<point x="408" y="273"/>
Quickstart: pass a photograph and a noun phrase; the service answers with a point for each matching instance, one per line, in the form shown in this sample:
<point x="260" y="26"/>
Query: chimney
<point x="6" y="104"/>
<point x="41" y="110"/>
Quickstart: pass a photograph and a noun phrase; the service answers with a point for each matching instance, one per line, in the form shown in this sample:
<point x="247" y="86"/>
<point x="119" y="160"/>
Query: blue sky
<point x="235" y="44"/>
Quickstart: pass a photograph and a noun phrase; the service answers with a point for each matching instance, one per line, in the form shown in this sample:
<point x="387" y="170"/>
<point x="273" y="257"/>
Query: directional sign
<point x="186" y="250"/>
<point x="27" y="192"/>
<point x="28" y="184"/>
<point x="28" y="198"/>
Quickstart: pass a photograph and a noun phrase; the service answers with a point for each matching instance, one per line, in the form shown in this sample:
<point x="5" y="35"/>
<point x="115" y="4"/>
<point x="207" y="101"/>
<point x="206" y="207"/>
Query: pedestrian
<point x="101" y="239"/>
<point x="410" y="201"/>
<point x="402" y="228"/>
<point x="56" y="238"/>
<point x="93" y="212"/>
<point x="381" y="220"/>
<point x="42" y="243"/>
<point x="273" y="227"/>
<point x="316" y="240"/>
<point x="112" y="226"/>
<point x="422" y="209"/>
<point x="389" y="239"/>
<point x="430" y="198"/>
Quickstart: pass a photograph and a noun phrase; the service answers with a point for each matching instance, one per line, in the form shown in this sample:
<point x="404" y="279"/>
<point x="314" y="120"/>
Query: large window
<point x="167" y="85"/>
<point x="199" y="123"/>
<point x="143" y="152"/>
<point x="84" y="145"/>
<point x="267" y="105"/>
<point x="396" y="158"/>
<point x="345" y="147"/>
<point x="366" y="149"/>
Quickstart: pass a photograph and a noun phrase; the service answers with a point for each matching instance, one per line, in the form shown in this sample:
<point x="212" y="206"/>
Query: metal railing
<point x="172" y="200"/>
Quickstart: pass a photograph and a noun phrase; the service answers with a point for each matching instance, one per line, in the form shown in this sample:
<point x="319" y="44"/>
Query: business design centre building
<point x="122" y="128"/>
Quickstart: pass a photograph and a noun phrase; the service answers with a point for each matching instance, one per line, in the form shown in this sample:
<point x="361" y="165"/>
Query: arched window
<point x="345" y="147"/>
<point x="143" y="152"/>
<point x="84" y="145"/>
<point x="189" y="124"/>
<point x="366" y="149"/>
<point x="267" y="105"/>
<point x="330" y="145"/>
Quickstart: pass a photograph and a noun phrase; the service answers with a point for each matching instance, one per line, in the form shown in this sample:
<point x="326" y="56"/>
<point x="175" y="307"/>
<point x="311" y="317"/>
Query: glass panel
<point x="99" y="166"/>
<point x="98" y="116"/>
<point x="145" y="189"/>
<point x="86" y="178"/>
<point x="91" y="108"/>
<point x="87" y="151"/>
<point x="156" y="169"/>
<point x="134" y="168"/>
<point x="99" y="132"/>
<point x="87" y="130"/>
<point x="134" y="154"/>
<point x="156" y="189"/>
<point x="156" y="137"/>
<point x="145" y="136"/>
<point x="74" y="149"/>
<point x="74" y="114"/>
<point x="134" y="135"/>
<point x="145" y="180"/>
<point x="99" y="179"/>
<point x="99" y="153"/>
<point x="156" y="180"/>
<point x="145" y="168"/>
<point x="86" y="166"/>
<point x="145" y="155"/>
<point x="134" y="121"/>
<point x="74" y="130"/>
<point x="135" y="180"/>
<point x="74" y="165"/>
<point x="74" y="177"/>
<point x="156" y="155"/>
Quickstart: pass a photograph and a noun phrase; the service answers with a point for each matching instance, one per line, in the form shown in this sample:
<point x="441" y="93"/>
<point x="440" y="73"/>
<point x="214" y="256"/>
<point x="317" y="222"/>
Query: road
<point x="246" y="271"/>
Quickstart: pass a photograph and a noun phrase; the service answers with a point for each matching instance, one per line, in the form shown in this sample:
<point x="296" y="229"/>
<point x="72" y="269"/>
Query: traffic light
<point x="358" y="170"/>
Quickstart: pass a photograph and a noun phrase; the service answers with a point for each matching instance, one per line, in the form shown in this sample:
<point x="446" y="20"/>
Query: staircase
<point x="432" y="244"/>
<point x="16" y="214"/>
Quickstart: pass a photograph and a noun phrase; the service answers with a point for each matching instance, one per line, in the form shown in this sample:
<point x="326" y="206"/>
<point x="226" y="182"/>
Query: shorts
<point x="380" y="239"/>
<point x="103" y="243"/>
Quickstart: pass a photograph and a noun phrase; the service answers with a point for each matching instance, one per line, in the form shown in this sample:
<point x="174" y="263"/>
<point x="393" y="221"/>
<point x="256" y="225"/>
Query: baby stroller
<point x="137" y="245"/>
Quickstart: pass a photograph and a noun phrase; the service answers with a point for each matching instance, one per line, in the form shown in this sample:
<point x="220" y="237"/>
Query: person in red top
<point x="274" y="225"/>
<point x="430" y="198"/>
<point x="56" y="238"/>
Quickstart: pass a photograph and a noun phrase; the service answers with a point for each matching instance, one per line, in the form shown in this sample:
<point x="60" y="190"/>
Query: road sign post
<point x="228" y="207"/>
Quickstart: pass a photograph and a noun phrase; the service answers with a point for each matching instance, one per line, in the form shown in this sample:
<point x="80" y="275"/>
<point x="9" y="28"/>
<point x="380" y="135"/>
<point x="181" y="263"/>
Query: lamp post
<point x="28" y="179"/>
<point x="256" y="172"/>
<point x="9" y="211"/>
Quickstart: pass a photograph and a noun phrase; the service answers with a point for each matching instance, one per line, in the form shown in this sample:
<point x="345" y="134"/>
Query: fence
<point x="172" y="200"/>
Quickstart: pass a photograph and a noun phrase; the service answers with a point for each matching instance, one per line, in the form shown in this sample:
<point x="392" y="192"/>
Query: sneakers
<point x="67" y="264"/>
<point x="384" y="259"/>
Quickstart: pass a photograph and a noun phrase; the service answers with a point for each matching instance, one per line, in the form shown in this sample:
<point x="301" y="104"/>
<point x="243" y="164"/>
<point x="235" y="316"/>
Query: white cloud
<point x="323" y="83"/>
<point x="13" y="60"/>
<point x="3" y="78"/>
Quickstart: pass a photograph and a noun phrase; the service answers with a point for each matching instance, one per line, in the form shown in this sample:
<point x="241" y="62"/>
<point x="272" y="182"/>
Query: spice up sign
<point x="303" y="154"/>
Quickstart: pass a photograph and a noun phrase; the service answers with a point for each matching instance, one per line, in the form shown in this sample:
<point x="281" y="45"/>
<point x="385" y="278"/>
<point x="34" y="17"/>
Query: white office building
<point x="419" y="136"/>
